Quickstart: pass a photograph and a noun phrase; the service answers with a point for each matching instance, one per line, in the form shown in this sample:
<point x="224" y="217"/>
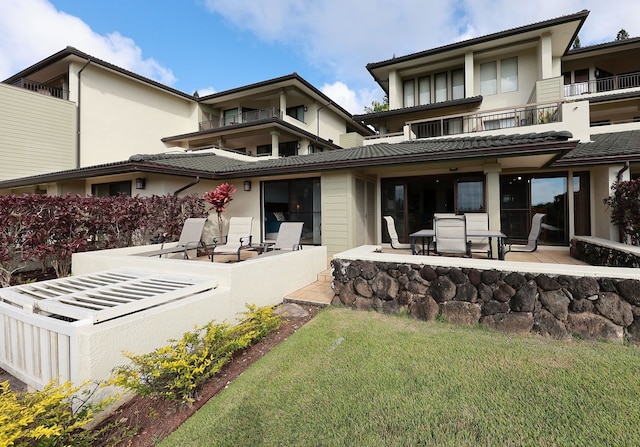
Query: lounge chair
<point x="451" y="236"/>
<point x="238" y="237"/>
<point x="288" y="238"/>
<point x="532" y="239"/>
<point x="190" y="239"/>
<point x="479" y="221"/>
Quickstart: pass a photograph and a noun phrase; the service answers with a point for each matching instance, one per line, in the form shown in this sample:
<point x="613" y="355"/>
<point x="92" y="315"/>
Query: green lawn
<point x="352" y="378"/>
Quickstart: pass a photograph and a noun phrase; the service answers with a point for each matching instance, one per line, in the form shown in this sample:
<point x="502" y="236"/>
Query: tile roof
<point x="379" y="154"/>
<point x="579" y="16"/>
<point x="604" y="148"/>
<point x="212" y="166"/>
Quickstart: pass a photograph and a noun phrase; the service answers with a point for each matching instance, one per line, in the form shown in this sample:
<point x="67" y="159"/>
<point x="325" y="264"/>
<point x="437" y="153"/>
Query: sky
<point x="215" y="45"/>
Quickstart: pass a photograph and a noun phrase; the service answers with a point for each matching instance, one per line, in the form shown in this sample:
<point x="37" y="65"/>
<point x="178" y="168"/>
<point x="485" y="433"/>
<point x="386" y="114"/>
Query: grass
<point x="367" y="379"/>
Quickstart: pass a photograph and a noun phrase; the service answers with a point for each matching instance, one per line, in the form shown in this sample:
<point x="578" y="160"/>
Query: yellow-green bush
<point x="177" y="371"/>
<point x="45" y="418"/>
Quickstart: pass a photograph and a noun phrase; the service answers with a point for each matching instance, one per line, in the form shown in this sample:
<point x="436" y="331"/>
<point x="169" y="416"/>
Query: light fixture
<point x="247" y="185"/>
<point x="140" y="183"/>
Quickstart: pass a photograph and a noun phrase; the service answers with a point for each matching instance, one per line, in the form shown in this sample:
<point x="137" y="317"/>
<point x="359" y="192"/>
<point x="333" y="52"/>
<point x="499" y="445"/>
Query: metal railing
<point x="529" y="115"/>
<point x="246" y="117"/>
<point x="41" y="88"/>
<point x="619" y="82"/>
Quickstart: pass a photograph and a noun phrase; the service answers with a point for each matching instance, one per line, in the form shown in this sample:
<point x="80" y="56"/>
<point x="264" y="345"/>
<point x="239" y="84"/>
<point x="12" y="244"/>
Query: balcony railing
<point x="529" y="115"/>
<point x="619" y="82"/>
<point x="41" y="88"/>
<point x="245" y="117"/>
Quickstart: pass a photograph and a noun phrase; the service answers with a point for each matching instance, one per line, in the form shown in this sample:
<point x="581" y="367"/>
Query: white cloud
<point x="35" y="29"/>
<point x="206" y="91"/>
<point x="354" y="102"/>
<point x="339" y="38"/>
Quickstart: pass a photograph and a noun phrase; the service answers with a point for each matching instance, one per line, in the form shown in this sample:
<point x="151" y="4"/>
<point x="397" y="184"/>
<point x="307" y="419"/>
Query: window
<point x="263" y="149"/>
<point x="230" y="117"/>
<point x="509" y="75"/>
<point x="288" y="149"/>
<point x="441" y="87"/>
<point x="488" y="79"/>
<point x="409" y="93"/>
<point x="296" y="112"/>
<point x="292" y="200"/>
<point x="424" y="90"/>
<point x="457" y="84"/>
<point x="470" y="194"/>
<point x="111" y="189"/>
<point x="502" y="123"/>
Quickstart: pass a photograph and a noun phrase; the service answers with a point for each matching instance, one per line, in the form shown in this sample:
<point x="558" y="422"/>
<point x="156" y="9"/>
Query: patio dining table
<point x="428" y="235"/>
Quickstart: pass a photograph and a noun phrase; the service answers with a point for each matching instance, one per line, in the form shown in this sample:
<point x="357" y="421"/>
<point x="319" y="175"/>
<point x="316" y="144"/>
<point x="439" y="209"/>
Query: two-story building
<point x="510" y="124"/>
<point x="520" y="81"/>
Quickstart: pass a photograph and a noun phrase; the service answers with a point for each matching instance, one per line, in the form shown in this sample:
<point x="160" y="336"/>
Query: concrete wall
<point x="94" y="349"/>
<point x="38" y="133"/>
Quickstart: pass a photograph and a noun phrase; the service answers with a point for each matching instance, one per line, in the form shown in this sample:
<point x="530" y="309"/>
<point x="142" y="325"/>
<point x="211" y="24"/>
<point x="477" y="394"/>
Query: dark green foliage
<point x="625" y="208"/>
<point x="48" y="229"/>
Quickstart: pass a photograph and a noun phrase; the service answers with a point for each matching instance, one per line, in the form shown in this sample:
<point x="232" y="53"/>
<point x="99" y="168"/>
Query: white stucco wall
<point x="94" y="349"/>
<point x="120" y="117"/>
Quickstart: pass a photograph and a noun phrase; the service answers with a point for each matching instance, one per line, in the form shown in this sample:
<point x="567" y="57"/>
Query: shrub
<point x="49" y="229"/>
<point x="625" y="208"/>
<point x="178" y="370"/>
<point x="51" y="417"/>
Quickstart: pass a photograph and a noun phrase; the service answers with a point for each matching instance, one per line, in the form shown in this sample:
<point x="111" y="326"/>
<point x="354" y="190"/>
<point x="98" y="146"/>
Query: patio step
<point x="318" y="293"/>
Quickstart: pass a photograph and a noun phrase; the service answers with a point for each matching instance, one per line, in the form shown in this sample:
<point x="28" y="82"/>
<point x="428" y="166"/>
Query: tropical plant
<point x="219" y="198"/>
<point x="625" y="208"/>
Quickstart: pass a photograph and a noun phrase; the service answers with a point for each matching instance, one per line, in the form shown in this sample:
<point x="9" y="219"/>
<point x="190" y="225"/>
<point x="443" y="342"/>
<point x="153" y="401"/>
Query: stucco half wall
<point x="89" y="351"/>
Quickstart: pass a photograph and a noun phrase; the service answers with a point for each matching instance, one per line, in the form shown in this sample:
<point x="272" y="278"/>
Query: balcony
<point x="608" y="84"/>
<point x="242" y="118"/>
<point x="41" y="88"/>
<point x="523" y="116"/>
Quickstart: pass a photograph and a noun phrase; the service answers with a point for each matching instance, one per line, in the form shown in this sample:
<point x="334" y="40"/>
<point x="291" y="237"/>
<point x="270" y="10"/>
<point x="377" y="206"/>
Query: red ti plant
<point x="219" y="198"/>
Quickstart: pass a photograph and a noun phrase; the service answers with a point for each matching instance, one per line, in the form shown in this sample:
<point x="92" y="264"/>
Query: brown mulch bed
<point x="144" y="421"/>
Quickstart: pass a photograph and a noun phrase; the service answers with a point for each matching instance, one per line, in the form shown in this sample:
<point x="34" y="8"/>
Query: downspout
<point x="621" y="234"/>
<point x="178" y="191"/>
<point x="621" y="171"/>
<point x="78" y="114"/>
<point x="318" y="119"/>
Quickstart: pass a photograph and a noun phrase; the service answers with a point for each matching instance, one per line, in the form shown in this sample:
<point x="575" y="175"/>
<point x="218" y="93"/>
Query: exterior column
<point x="283" y="103"/>
<point x="546" y="56"/>
<point x="395" y="91"/>
<point x="492" y="174"/>
<point x="275" y="141"/>
<point x="469" y="91"/>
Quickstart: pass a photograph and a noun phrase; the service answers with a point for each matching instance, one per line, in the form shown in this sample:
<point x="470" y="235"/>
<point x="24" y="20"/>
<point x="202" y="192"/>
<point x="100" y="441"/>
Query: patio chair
<point x="393" y="236"/>
<point x="479" y="221"/>
<point x="451" y="236"/>
<point x="190" y="239"/>
<point x="288" y="238"/>
<point x="532" y="239"/>
<point x="238" y="237"/>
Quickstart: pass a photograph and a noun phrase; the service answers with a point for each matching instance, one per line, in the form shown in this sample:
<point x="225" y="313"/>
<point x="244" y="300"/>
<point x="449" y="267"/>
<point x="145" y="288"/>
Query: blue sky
<point x="215" y="45"/>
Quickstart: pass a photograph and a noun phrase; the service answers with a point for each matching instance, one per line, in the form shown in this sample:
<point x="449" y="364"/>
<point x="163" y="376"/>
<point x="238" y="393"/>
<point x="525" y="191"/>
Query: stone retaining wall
<point x="607" y="255"/>
<point x="558" y="306"/>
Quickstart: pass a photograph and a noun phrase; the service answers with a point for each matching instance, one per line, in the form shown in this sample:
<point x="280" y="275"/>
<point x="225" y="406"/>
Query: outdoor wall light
<point x="140" y="183"/>
<point x="247" y="185"/>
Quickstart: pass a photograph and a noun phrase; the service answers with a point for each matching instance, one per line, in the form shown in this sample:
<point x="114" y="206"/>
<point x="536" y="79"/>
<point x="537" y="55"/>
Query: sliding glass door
<point x="292" y="200"/>
<point x="524" y="195"/>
